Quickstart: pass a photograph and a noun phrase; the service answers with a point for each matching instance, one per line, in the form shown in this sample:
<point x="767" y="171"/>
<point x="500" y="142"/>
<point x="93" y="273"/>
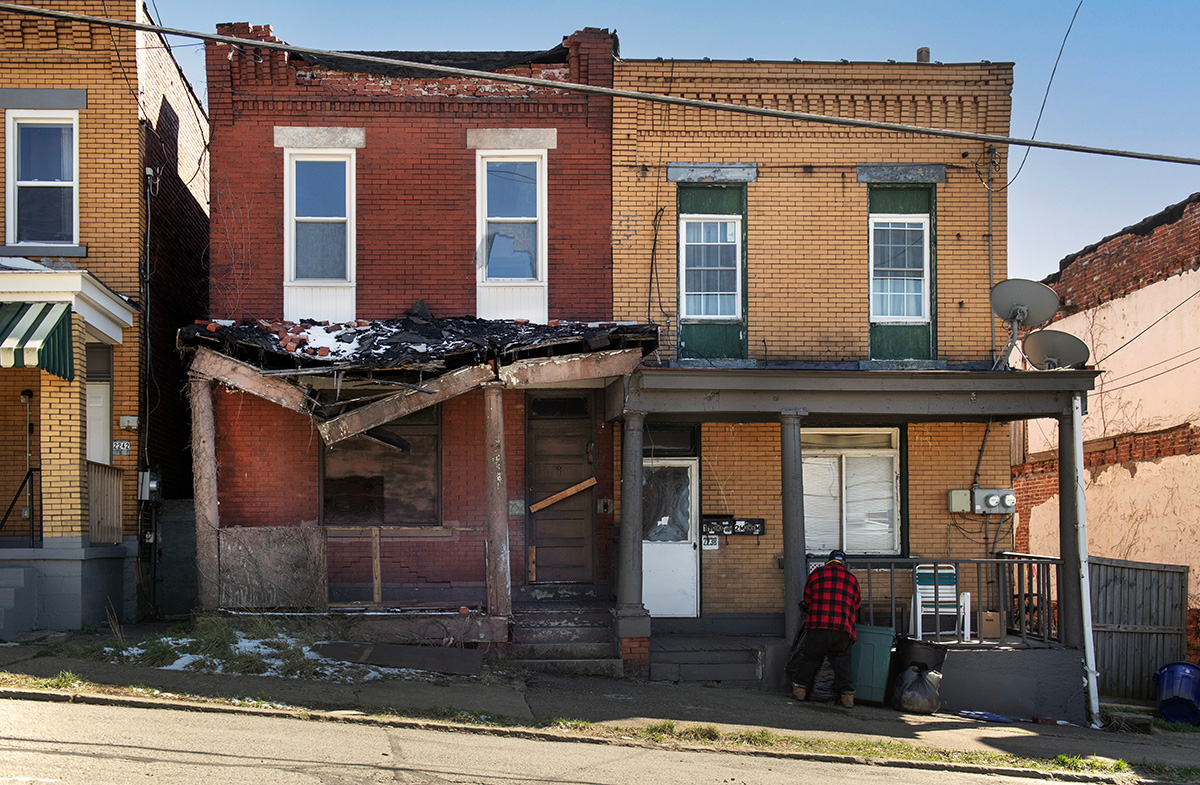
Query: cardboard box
<point x="990" y="625"/>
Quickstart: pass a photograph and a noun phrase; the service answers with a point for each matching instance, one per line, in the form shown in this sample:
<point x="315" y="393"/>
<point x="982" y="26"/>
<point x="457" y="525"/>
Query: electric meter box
<point x="993" y="501"/>
<point x="958" y="501"/>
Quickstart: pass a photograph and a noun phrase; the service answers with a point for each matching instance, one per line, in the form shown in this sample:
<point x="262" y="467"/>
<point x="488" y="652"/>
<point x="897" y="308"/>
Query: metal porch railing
<point x="14" y="536"/>
<point x="1019" y="589"/>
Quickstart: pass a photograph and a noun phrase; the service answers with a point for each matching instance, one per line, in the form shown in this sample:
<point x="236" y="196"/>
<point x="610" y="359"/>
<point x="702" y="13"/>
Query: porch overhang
<point x="852" y="396"/>
<point x="37" y="335"/>
<point x="105" y="313"/>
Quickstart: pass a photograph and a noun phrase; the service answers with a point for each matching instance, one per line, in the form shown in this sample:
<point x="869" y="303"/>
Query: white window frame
<point x="912" y="218"/>
<point x="482" y="159"/>
<point x="684" y="314"/>
<point x="13" y="118"/>
<point x="291" y="156"/>
<point x="841" y="453"/>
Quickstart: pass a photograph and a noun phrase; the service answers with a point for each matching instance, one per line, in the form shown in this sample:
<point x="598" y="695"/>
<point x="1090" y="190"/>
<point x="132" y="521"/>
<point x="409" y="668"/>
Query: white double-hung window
<point x="319" y="238"/>
<point x="899" y="268"/>
<point x="851" y="490"/>
<point x="710" y="266"/>
<point x="512" y="235"/>
<point x="42" y="177"/>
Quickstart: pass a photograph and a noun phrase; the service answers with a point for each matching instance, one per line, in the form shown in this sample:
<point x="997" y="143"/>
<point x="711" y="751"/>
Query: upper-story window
<point x="899" y="255"/>
<point x="711" y="266"/>
<point x="319" y="243"/>
<point x="42" y="188"/>
<point x="512" y="211"/>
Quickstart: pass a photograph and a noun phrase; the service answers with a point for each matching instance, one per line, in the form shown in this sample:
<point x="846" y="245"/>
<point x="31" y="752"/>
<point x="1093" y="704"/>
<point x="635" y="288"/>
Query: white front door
<point x="670" y="536"/>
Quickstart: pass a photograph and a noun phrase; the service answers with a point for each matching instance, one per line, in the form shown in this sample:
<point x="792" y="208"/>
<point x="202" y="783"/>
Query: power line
<point x="606" y="91"/>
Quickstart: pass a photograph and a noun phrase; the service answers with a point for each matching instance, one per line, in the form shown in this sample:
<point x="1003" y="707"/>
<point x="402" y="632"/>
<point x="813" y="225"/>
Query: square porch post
<point x="633" y="620"/>
<point x="204" y="490"/>
<point x="795" y="562"/>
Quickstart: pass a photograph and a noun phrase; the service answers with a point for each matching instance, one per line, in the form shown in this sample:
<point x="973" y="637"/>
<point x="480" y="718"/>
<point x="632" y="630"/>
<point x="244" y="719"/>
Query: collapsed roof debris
<point x="415" y="342"/>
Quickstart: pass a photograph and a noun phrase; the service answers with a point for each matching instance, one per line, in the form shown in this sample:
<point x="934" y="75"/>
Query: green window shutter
<point x="898" y="341"/>
<point x="715" y="340"/>
<point x="900" y="200"/>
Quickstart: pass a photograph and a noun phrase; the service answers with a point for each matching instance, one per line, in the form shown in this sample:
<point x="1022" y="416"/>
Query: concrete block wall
<point x="807" y="219"/>
<point x="415" y="191"/>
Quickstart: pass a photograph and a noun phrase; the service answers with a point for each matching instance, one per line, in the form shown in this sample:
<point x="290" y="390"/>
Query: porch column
<point x="499" y="570"/>
<point x="204" y="490"/>
<point x="633" y="621"/>
<point x="1070" y="596"/>
<point x="795" y="562"/>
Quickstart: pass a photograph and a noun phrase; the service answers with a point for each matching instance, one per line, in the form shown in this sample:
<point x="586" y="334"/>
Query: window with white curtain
<point x="899" y="255"/>
<point x="851" y="490"/>
<point x="41" y="166"/>
<point x="319" y="244"/>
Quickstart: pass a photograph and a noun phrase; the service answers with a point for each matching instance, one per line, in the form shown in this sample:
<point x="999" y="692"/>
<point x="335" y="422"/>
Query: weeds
<point x="63" y="681"/>
<point x="759" y="737"/>
<point x="701" y="733"/>
<point x="156" y="653"/>
<point x="659" y="731"/>
<point x="1175" y="727"/>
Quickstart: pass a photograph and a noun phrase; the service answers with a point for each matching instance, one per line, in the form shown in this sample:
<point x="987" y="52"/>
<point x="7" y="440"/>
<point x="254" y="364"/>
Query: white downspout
<point x="1085" y="586"/>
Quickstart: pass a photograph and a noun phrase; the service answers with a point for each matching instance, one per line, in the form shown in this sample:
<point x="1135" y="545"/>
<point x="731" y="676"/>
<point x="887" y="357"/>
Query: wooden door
<point x="561" y="453"/>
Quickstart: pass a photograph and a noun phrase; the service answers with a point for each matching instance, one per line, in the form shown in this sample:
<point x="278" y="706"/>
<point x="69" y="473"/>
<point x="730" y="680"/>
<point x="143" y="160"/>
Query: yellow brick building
<point x="824" y="376"/>
<point x="104" y="256"/>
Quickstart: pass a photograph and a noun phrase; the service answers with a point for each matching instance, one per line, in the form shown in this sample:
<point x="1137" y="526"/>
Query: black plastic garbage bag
<point x="915" y="690"/>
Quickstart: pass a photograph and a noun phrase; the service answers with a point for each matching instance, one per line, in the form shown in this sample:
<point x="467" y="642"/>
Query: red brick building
<point x="359" y="210"/>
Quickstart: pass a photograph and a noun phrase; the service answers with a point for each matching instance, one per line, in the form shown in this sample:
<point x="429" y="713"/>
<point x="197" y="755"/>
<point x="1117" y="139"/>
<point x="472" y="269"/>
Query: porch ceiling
<point x="851" y="396"/>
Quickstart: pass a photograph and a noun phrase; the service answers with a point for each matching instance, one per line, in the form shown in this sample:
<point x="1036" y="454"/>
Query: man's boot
<point x="848" y="700"/>
<point x="799" y="693"/>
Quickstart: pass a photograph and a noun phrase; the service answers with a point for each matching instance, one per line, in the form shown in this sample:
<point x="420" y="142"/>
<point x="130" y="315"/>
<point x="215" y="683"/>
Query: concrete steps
<point x="565" y="638"/>
<point x="737" y="661"/>
<point x="18" y="601"/>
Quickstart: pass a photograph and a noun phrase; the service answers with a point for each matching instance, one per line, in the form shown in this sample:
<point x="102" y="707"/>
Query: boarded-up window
<point x="389" y="476"/>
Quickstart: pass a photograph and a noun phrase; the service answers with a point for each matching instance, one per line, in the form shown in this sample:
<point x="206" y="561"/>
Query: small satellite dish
<point x="1028" y="303"/>
<point x="1050" y="349"/>
<point x="1021" y="303"/>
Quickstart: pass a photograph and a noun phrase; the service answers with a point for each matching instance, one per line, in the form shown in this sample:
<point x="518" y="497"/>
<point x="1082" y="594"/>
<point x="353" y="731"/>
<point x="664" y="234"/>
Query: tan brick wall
<point x="63" y="446"/>
<point x="12" y="442"/>
<point x="128" y="88"/>
<point x="807" y="222"/>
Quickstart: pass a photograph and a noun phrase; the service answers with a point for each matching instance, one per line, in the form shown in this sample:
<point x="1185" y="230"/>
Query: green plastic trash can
<point x="869" y="661"/>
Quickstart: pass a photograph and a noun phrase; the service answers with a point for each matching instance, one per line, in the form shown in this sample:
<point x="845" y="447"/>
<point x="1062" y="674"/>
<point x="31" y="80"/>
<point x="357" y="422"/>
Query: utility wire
<point x="607" y="91"/>
<point x="1143" y="332"/>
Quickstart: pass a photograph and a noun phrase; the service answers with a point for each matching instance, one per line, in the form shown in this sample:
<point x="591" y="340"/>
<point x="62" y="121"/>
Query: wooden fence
<point x="104" y="504"/>
<point x="1139" y="619"/>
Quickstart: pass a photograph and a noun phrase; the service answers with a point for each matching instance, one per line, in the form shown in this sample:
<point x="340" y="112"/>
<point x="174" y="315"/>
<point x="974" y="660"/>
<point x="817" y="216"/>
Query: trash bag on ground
<point x="915" y="690"/>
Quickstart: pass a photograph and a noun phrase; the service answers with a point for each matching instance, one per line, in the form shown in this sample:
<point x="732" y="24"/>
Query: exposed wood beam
<point x="556" y="498"/>
<point x="375" y="414"/>
<point x="216" y="367"/>
<point x="570" y="368"/>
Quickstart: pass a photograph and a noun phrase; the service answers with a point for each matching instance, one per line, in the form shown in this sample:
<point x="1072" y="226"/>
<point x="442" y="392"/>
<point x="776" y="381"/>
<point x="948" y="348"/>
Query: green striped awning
<point x="37" y="335"/>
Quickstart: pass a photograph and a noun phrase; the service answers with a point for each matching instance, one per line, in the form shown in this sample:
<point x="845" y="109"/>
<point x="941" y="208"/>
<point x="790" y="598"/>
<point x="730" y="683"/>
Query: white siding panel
<point x="322" y="303"/>
<point x="496" y="301"/>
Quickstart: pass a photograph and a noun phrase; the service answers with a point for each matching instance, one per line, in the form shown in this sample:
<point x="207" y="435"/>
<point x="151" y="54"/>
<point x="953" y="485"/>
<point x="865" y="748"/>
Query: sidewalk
<point x="541" y="697"/>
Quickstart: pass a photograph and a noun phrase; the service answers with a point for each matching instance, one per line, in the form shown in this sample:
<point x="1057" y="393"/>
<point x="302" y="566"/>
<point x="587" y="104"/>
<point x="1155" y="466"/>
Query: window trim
<point x="685" y="317"/>
<point x="482" y="159"/>
<point x="924" y="220"/>
<point x="291" y="156"/>
<point x="12" y="119"/>
<point x="894" y="452"/>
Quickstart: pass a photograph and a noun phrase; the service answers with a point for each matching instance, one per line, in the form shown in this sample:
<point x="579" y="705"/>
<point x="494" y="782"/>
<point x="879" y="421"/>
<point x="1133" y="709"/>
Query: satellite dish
<point x="1050" y="349"/>
<point x="1028" y="303"/>
<point x="1021" y="303"/>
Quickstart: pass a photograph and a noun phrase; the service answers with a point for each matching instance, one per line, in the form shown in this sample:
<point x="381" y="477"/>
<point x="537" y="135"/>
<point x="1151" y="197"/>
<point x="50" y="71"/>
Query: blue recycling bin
<point x="1179" y="692"/>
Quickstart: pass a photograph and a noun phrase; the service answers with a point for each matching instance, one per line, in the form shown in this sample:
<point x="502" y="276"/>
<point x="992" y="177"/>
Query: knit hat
<point x="836" y="556"/>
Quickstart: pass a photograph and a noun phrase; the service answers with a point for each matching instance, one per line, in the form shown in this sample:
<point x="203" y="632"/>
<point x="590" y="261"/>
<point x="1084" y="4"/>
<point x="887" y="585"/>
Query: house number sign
<point x="120" y="447"/>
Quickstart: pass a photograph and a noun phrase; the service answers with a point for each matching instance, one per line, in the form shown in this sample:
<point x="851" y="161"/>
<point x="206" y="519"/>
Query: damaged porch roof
<point x="339" y="374"/>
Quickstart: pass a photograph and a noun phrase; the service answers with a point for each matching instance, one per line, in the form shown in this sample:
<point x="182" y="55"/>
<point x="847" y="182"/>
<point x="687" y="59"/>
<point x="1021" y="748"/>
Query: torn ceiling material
<point x="421" y="345"/>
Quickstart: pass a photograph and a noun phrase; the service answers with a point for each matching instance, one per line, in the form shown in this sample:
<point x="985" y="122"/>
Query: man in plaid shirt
<point x="831" y="600"/>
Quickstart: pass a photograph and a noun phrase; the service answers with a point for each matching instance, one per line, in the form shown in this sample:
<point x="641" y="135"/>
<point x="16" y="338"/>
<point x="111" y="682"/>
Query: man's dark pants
<point x="815" y="646"/>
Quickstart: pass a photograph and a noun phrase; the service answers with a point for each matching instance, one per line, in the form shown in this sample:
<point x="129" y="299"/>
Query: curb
<point x="361" y="718"/>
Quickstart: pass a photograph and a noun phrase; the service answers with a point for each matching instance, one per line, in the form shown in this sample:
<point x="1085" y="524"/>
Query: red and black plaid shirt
<point x="832" y="597"/>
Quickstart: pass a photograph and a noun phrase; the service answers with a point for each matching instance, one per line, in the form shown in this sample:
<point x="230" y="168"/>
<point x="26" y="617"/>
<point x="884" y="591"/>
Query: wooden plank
<point x="377" y="566"/>
<point x="214" y="366"/>
<point x="532" y="563"/>
<point x="571" y="368"/>
<point x="574" y="489"/>
<point x="372" y="415"/>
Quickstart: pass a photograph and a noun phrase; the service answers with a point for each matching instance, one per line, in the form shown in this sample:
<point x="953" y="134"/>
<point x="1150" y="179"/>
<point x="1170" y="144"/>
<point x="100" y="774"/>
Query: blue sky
<point x="1127" y="79"/>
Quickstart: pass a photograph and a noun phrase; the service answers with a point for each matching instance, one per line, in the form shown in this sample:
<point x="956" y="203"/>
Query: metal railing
<point x="35" y="513"/>
<point x="104" y="503"/>
<point x="1012" y="597"/>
